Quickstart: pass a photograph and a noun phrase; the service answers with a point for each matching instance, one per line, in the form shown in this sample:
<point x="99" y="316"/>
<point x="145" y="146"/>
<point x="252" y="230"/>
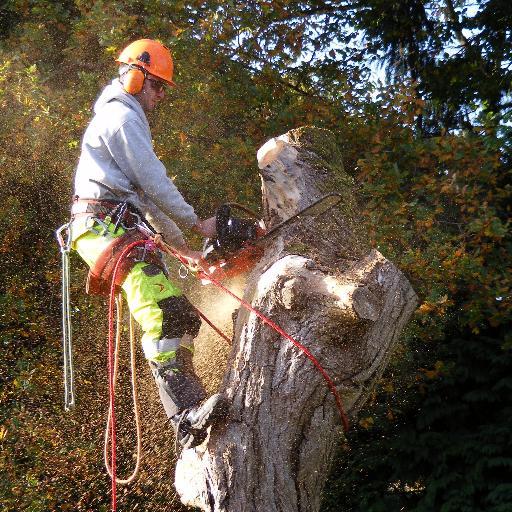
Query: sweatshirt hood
<point x="115" y="91"/>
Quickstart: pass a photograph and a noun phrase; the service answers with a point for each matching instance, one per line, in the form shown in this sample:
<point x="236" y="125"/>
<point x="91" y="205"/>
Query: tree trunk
<point x="346" y="303"/>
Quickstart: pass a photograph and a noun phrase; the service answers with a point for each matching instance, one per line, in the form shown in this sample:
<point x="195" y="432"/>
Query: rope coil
<point x="119" y="314"/>
<point x="111" y="373"/>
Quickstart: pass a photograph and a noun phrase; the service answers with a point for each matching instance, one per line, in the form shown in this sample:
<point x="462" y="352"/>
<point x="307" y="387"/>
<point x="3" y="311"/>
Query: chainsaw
<point x="240" y="242"/>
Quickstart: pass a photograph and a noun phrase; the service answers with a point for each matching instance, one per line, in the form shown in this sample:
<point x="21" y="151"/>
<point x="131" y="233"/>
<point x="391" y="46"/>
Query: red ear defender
<point x="133" y="81"/>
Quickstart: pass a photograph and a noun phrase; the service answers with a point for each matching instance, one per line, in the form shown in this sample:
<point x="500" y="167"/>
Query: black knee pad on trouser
<point x="178" y="386"/>
<point x="179" y="317"/>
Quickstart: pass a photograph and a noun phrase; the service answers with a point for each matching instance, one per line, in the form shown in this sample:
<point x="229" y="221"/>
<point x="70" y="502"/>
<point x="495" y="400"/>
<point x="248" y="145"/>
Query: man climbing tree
<point x="122" y="191"/>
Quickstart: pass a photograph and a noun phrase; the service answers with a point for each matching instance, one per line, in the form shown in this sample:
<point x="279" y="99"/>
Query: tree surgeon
<point x="121" y="189"/>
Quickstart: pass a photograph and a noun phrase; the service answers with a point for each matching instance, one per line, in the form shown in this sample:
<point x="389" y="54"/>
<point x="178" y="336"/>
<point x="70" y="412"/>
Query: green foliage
<point x="436" y="435"/>
<point x="457" y="53"/>
<point x="447" y="438"/>
<point x="446" y="216"/>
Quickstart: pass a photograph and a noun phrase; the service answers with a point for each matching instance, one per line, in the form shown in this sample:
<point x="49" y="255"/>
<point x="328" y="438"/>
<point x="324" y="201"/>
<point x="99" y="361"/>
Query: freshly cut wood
<point x="321" y="282"/>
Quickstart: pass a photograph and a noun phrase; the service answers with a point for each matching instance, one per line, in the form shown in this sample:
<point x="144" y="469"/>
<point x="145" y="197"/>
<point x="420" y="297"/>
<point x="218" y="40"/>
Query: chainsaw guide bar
<point x="239" y="243"/>
<point x="315" y="209"/>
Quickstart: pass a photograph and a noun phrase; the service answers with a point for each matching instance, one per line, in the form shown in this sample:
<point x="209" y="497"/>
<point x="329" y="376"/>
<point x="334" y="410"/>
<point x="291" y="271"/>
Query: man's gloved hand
<point x="195" y="258"/>
<point x="207" y="227"/>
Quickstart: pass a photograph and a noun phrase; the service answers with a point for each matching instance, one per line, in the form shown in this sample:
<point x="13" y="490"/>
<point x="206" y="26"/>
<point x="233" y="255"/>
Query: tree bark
<point x="321" y="282"/>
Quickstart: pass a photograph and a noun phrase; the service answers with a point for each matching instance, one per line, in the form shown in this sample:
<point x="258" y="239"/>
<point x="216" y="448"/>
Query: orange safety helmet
<point x="146" y="55"/>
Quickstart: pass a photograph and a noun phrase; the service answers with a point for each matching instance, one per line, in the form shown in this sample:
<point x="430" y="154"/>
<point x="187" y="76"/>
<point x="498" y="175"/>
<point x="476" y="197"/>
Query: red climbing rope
<point x="270" y="323"/>
<point x="213" y="326"/>
<point x="111" y="383"/>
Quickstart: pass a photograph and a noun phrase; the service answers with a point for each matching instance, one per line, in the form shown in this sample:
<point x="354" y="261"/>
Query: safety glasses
<point x="156" y="85"/>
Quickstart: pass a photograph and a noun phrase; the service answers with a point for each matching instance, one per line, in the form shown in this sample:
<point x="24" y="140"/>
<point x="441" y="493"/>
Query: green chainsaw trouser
<point x="166" y="317"/>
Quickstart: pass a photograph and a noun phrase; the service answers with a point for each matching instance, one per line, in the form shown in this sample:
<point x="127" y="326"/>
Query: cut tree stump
<point x="321" y="282"/>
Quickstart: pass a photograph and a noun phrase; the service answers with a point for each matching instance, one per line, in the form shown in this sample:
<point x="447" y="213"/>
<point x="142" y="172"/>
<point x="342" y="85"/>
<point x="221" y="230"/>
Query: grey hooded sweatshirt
<point x="117" y="151"/>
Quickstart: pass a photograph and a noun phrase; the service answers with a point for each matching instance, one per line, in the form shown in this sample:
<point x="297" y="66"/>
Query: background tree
<point x="431" y="160"/>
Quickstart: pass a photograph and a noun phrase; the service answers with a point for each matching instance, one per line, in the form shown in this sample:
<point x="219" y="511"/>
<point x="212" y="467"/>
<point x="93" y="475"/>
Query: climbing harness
<point x="63" y="235"/>
<point x="100" y="274"/>
<point x="104" y="218"/>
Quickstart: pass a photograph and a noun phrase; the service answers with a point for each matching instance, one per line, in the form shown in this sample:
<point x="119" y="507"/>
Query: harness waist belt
<point x="93" y="206"/>
<point x="119" y="211"/>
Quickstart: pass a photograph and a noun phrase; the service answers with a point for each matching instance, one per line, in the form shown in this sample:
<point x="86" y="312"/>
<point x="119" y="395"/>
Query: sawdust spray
<point x="212" y="351"/>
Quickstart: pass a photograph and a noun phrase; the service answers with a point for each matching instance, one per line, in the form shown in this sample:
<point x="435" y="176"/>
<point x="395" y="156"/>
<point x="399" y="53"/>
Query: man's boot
<point x="191" y="425"/>
<point x="178" y="386"/>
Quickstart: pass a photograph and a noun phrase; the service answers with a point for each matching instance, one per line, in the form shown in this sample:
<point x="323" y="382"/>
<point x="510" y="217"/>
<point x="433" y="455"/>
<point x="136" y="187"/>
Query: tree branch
<point x="454" y="19"/>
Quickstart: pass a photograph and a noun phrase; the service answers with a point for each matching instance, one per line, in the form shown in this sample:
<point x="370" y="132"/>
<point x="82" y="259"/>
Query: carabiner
<point x="64" y="243"/>
<point x="102" y="231"/>
<point x="183" y="271"/>
<point x="69" y="384"/>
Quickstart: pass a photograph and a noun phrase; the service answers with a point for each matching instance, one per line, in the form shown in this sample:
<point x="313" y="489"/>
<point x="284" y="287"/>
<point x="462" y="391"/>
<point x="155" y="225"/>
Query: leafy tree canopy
<point x="430" y="152"/>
